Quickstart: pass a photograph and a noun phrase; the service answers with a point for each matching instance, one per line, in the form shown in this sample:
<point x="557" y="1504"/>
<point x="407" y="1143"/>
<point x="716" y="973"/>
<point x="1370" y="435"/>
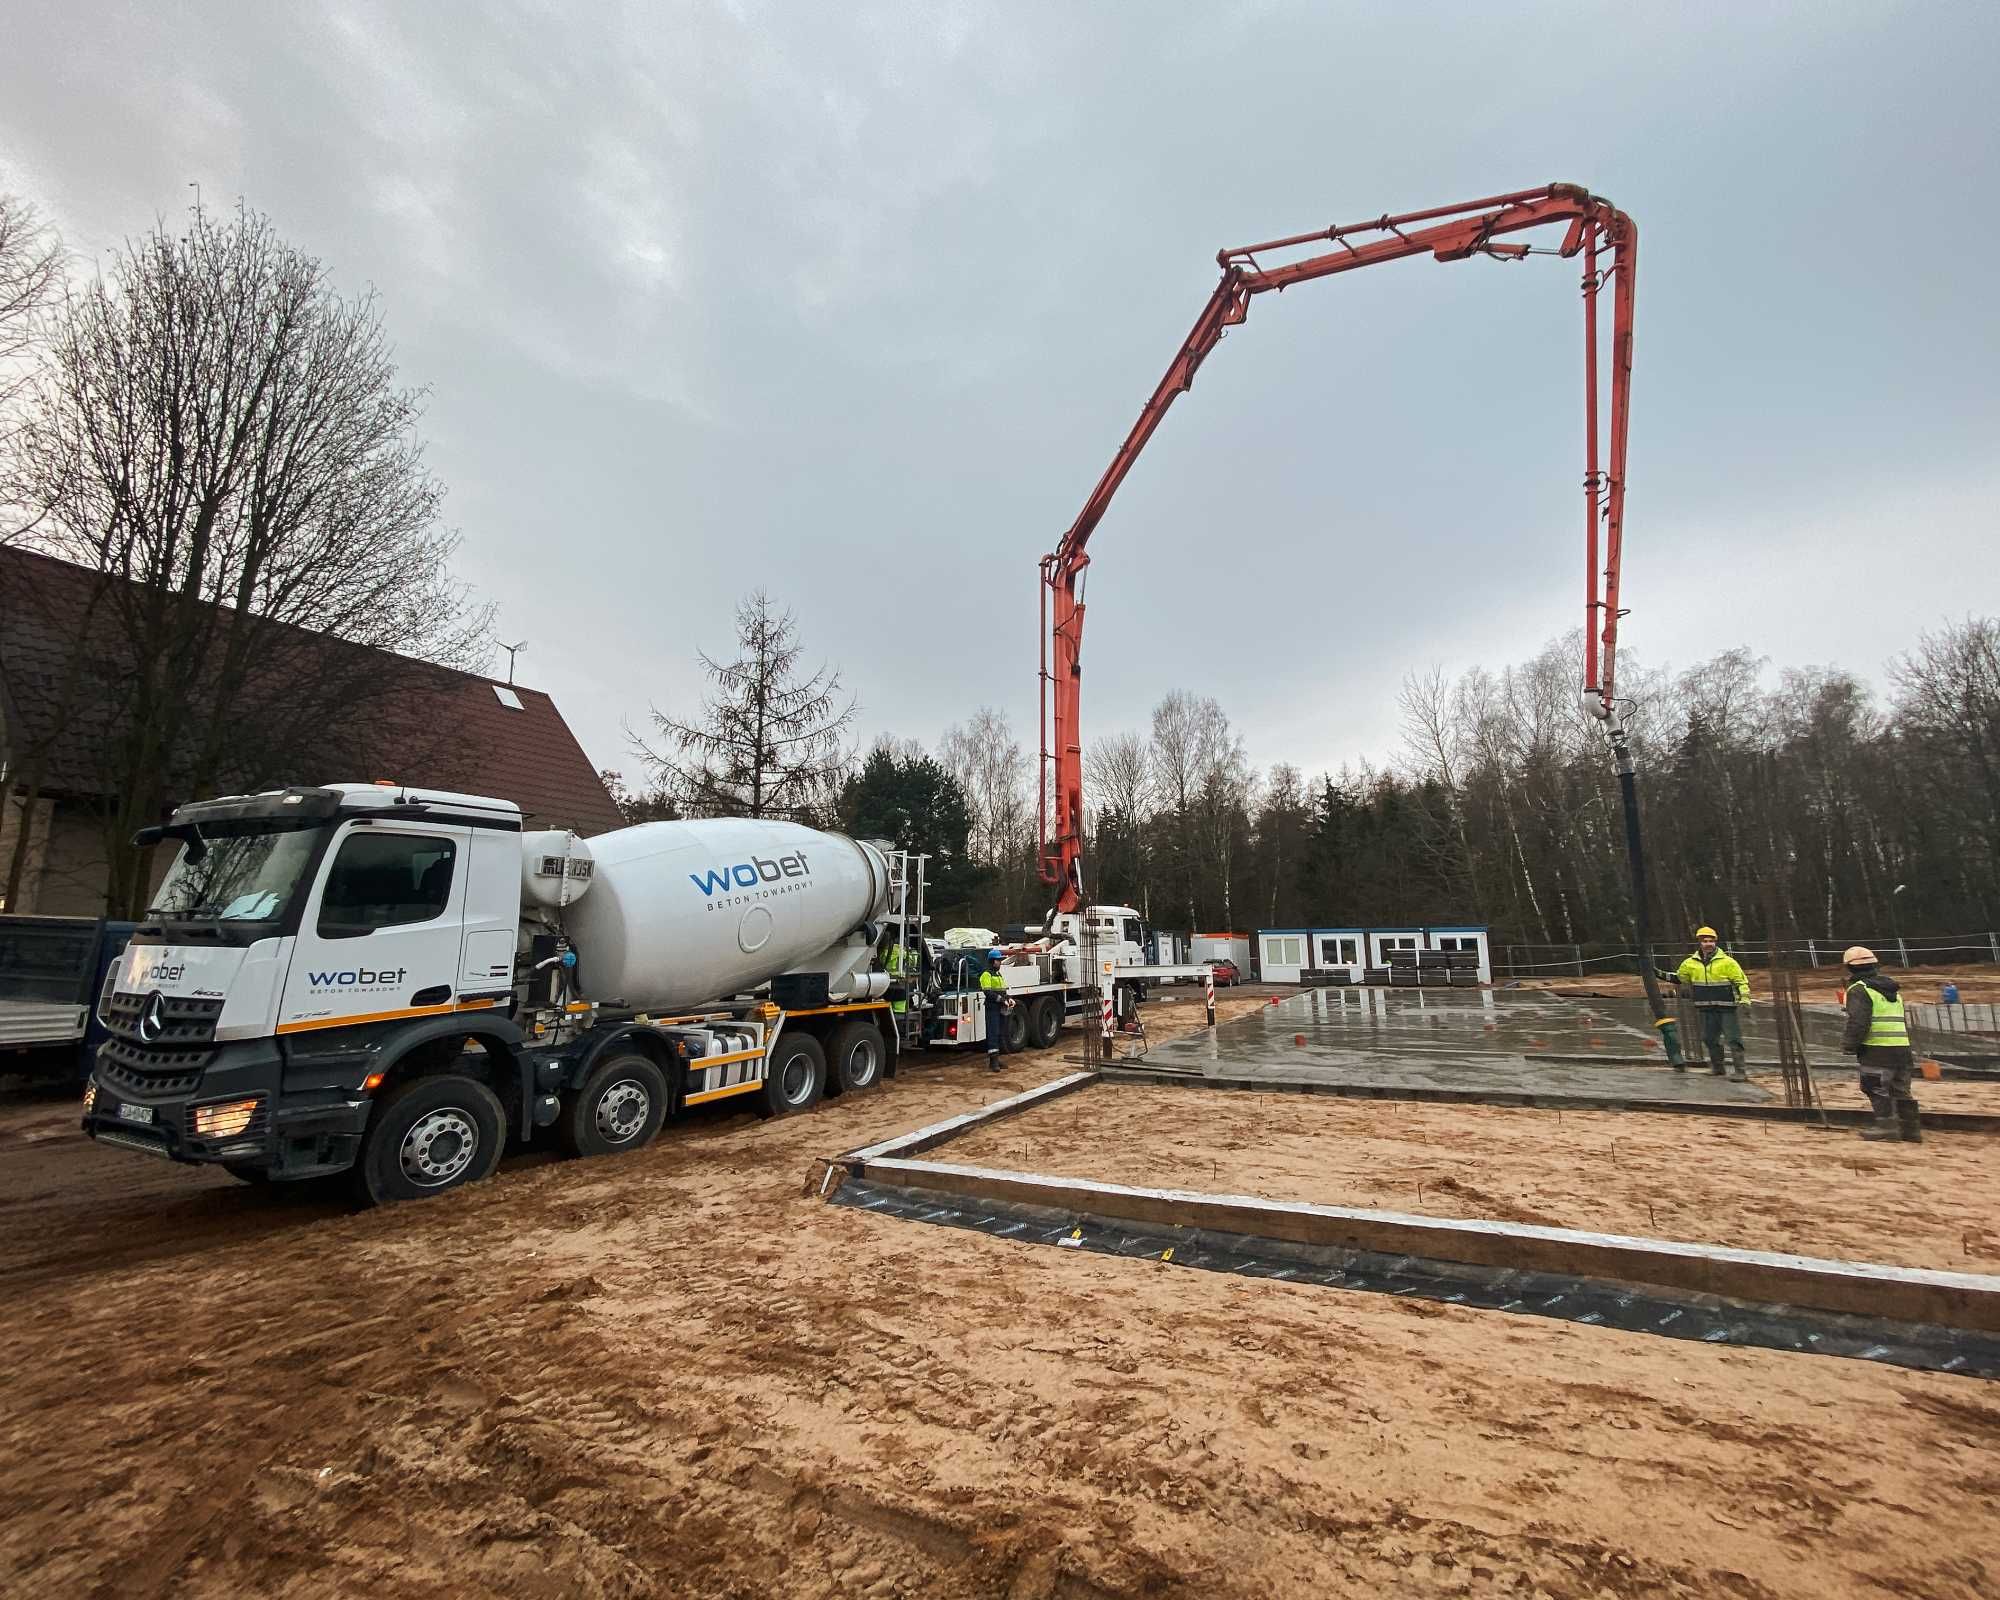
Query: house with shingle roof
<point x="64" y="661"/>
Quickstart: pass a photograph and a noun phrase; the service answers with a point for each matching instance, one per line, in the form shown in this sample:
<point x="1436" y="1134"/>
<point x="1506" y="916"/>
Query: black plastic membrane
<point x="1923" y="1347"/>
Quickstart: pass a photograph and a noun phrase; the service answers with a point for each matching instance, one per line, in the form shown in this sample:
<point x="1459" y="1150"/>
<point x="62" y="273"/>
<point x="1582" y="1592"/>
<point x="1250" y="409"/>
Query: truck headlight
<point x="224" y="1121"/>
<point x="89" y="1096"/>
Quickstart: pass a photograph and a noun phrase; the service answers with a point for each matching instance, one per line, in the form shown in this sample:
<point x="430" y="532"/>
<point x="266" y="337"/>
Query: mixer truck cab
<point x="394" y="983"/>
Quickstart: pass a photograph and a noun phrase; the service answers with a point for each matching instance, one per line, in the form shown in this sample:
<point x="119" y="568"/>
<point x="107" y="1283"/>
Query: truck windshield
<point x="236" y="873"/>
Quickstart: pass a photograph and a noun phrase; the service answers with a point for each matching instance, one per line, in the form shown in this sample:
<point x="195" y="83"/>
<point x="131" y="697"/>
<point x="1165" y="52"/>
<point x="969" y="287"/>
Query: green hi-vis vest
<point x="1885" y="1024"/>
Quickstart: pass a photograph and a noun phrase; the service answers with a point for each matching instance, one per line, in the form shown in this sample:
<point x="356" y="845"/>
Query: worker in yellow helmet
<point x="1724" y="992"/>
<point x="1879" y="1039"/>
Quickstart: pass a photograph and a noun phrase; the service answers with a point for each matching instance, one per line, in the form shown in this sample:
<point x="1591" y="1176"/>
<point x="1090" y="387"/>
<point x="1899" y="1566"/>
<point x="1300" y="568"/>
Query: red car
<point x="1226" y="971"/>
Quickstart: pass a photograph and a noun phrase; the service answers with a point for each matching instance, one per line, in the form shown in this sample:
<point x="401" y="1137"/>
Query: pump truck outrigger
<point x="1592" y="228"/>
<point x="394" y="982"/>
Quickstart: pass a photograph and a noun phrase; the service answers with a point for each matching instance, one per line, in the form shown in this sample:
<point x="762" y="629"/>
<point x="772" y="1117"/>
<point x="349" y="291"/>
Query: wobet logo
<point x="749" y="874"/>
<point x="163" y="972"/>
<point x="357" y="978"/>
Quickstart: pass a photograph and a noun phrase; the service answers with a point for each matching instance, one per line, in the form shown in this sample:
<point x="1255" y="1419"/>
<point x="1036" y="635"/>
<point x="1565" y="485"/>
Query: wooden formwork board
<point x="929" y="1138"/>
<point x="1962" y="1300"/>
<point x="1967" y="1301"/>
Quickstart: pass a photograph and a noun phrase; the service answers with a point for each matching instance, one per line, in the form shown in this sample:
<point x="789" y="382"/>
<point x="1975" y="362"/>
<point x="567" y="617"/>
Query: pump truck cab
<point x="394" y="983"/>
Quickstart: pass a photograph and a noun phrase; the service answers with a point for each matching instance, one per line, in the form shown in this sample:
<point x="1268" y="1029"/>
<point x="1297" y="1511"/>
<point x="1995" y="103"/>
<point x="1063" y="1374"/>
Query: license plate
<point x="135" y="1113"/>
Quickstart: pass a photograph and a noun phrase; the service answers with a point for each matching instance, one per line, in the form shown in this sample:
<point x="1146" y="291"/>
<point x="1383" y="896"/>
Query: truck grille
<point x="141" y="1071"/>
<point x="182" y="1021"/>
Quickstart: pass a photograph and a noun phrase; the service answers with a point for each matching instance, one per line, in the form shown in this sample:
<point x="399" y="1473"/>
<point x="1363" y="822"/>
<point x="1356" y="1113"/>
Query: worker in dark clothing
<point x="1880" y="1040"/>
<point x="993" y="986"/>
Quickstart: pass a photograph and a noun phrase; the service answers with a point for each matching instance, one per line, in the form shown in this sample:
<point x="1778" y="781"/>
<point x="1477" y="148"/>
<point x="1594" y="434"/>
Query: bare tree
<point x="1948" y="713"/>
<point x="1119" y="790"/>
<point x="1205" y="785"/>
<point x="1282" y="819"/>
<point x="222" y="437"/>
<point x="649" y="805"/>
<point x="1435" y="733"/>
<point x="987" y="760"/>
<point x="30" y="277"/>
<point x="768" y="742"/>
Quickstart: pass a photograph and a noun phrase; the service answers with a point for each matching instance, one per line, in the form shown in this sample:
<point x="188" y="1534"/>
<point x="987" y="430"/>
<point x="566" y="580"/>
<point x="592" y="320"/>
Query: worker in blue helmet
<point x="993" y="987"/>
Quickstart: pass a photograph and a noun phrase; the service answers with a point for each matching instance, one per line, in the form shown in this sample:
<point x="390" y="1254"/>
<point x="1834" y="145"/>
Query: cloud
<point x="854" y="303"/>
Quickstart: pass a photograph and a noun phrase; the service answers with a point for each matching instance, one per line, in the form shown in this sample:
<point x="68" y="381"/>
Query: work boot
<point x="1883" y="1129"/>
<point x="993" y="1061"/>
<point x="1909" y="1122"/>
<point x="1715" y="1067"/>
<point x="1736" y="1072"/>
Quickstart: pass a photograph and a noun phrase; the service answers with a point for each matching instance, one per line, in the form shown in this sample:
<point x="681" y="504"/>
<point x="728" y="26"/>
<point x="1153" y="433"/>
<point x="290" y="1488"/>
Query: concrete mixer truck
<point x="392" y="983"/>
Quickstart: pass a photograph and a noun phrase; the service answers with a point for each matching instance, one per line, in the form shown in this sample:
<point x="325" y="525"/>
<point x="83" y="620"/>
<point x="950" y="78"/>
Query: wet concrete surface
<point x="1460" y="1039"/>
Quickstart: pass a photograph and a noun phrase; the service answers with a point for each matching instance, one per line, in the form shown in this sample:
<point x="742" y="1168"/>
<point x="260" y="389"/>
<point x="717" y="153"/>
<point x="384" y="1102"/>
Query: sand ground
<point x="1707" y="1180"/>
<point x="680" y="1373"/>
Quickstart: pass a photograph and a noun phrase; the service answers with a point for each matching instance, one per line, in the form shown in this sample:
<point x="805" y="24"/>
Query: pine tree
<point x="910" y="799"/>
<point x="768" y="742"/>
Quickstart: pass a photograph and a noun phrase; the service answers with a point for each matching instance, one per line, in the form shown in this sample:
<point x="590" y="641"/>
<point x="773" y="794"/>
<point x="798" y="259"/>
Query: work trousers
<point x="1886" y="1070"/>
<point x="996" y="1027"/>
<point x="1719" y="1023"/>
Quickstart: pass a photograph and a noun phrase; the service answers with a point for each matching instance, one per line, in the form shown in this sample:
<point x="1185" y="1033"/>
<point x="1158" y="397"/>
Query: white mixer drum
<point x="683" y="912"/>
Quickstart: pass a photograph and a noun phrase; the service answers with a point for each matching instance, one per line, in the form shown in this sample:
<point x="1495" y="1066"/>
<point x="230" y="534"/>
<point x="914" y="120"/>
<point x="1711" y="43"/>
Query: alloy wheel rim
<point x="439" y="1147"/>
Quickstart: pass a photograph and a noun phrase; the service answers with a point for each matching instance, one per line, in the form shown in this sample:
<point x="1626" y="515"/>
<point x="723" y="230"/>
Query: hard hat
<point x="995" y="954"/>
<point x="1858" y="955"/>
<point x="1706" y="933"/>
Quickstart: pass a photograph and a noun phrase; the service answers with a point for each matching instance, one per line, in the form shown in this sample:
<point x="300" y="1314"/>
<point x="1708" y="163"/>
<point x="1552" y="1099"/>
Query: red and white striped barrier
<point x="1211" y="996"/>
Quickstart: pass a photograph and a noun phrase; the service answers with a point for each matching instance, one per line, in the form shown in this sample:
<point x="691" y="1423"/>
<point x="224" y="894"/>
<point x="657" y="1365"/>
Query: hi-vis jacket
<point x="1719" y="968"/>
<point x="1874" y="1007"/>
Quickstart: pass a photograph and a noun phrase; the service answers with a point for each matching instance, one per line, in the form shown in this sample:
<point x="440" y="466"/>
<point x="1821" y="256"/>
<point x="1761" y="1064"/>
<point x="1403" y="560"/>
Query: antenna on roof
<point x="512" y="651"/>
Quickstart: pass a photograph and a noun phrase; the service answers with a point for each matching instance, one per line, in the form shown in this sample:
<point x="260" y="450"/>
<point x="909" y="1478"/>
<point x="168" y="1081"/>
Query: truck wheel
<point x="858" y="1055"/>
<point x="795" y="1076"/>
<point x="1014" y="1029"/>
<point x="429" y="1135"/>
<point x="1048" y="1020"/>
<point x="621" y="1105"/>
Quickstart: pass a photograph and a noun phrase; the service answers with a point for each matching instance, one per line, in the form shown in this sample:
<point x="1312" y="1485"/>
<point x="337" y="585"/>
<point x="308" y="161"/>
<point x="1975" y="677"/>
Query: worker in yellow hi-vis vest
<point x="901" y="963"/>
<point x="1880" y="1039"/>
<point x="993" y="990"/>
<point x="1725" y="991"/>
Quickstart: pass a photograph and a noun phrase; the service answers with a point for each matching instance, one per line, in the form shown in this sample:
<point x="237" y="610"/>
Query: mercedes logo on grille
<point x="153" y="1017"/>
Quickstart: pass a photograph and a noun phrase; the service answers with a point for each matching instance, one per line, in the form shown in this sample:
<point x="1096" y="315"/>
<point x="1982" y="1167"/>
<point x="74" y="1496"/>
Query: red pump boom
<point x="1447" y="233"/>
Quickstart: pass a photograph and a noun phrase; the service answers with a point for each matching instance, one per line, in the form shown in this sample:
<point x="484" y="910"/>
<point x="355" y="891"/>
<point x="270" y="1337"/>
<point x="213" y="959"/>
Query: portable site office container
<point x="1218" y="946"/>
<point x="1461" y="939"/>
<point x="1284" y="954"/>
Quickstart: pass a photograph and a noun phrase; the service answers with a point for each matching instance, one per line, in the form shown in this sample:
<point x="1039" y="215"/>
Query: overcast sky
<point x="854" y="302"/>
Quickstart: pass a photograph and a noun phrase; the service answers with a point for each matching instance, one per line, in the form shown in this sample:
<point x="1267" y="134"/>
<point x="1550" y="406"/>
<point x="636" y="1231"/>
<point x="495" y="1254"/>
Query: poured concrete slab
<point x="1521" y="1042"/>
